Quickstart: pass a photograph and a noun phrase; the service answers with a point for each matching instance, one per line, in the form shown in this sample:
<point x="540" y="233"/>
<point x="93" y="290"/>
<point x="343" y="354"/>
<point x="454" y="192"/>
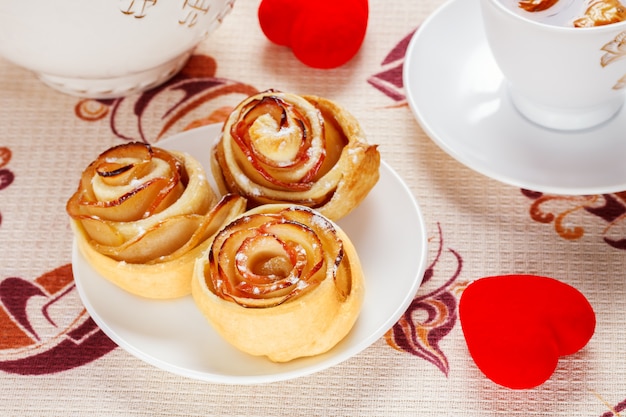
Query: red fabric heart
<point x="517" y="326"/>
<point x="322" y="34"/>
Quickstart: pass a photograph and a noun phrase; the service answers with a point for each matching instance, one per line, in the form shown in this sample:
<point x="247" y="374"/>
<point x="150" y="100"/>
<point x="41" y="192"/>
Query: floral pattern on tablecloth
<point x="389" y="79"/>
<point x="430" y="316"/>
<point x="567" y="214"/>
<point x="37" y="341"/>
<point x="194" y="97"/>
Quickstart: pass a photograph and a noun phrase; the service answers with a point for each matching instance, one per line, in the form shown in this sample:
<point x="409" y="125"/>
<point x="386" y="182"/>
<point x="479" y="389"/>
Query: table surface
<point x="476" y="227"/>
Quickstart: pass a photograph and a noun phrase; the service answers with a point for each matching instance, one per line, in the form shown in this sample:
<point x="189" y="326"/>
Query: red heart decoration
<point x="518" y="326"/>
<point x="322" y="34"/>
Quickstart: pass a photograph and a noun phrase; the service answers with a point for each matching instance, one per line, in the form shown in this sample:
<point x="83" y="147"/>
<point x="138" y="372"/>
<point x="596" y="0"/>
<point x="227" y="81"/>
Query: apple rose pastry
<point x="280" y="281"/>
<point x="142" y="215"/>
<point x="284" y="148"/>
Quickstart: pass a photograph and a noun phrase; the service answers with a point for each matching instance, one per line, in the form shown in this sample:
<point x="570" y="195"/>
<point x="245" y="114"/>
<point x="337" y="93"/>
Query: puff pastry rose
<point x="285" y="148"/>
<point x="142" y="215"/>
<point x="280" y="281"/>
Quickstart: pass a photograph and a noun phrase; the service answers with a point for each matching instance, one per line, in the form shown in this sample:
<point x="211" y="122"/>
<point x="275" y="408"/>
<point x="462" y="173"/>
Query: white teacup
<point x="105" y="48"/>
<point x="564" y="78"/>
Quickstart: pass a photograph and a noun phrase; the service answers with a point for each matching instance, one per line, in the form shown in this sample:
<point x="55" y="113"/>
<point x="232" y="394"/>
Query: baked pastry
<point x="280" y="281"/>
<point x="141" y="215"/>
<point x="284" y="148"/>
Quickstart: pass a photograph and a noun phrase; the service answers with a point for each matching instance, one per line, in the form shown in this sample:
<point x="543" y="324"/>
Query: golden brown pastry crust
<point x="289" y="315"/>
<point x="142" y="215"/>
<point x="285" y="148"/>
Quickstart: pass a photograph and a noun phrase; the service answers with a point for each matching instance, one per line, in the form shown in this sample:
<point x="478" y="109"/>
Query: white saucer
<point x="459" y="97"/>
<point x="388" y="232"/>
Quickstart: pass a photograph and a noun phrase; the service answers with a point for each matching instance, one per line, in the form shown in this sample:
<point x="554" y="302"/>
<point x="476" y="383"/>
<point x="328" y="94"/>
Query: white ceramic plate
<point x="459" y="97"/>
<point x="388" y="232"/>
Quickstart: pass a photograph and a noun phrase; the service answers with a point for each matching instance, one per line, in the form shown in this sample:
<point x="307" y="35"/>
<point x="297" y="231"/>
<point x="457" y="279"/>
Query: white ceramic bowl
<point x="105" y="48"/>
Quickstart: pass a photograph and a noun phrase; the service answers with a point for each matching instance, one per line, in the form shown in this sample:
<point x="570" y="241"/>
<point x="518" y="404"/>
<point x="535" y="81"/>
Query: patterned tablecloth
<point x="476" y="226"/>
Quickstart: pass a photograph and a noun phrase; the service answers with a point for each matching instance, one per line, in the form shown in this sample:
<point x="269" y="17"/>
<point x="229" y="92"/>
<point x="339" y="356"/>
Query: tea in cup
<point x="563" y="60"/>
<point x="570" y="13"/>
